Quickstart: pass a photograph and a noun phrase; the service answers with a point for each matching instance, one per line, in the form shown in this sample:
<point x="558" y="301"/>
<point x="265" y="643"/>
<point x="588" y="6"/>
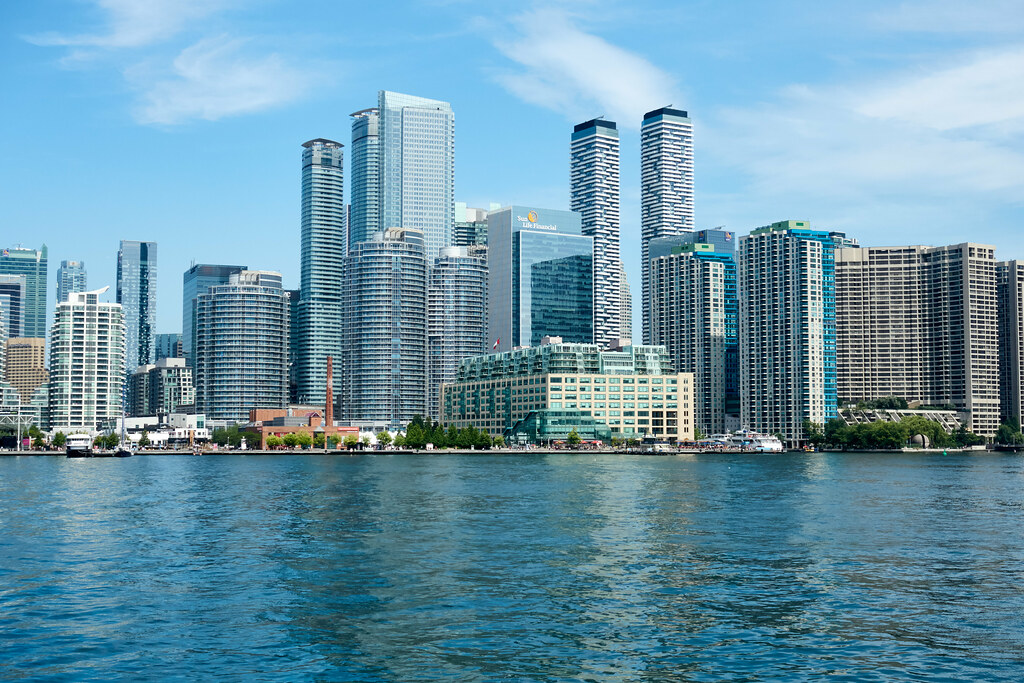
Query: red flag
<point x="496" y="342"/>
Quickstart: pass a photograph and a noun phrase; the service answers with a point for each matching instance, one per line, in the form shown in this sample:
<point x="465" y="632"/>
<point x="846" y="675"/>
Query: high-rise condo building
<point x="71" y="277"/>
<point x="920" y="323"/>
<point x="417" y="167"/>
<point x="625" y="305"/>
<point x="540" y="277"/>
<point x="32" y="264"/>
<point x="25" y="367"/>
<point x="197" y="280"/>
<point x="384" y="339"/>
<point x="86" y="362"/>
<point x="12" y="305"/>
<point x="365" y="176"/>
<point x="242" y="346"/>
<point x="666" y="185"/>
<point x="163" y="387"/>
<point x="321" y="283"/>
<point x="456" y="315"/>
<point x="693" y="312"/>
<point x="594" y="187"/>
<point x="136" y="292"/>
<point x="1010" y="290"/>
<point x="168" y="345"/>
<point x="787" y="328"/>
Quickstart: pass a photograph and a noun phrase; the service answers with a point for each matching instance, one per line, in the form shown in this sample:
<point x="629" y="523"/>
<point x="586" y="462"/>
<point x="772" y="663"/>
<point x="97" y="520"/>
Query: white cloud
<point x="954" y="16"/>
<point x="213" y="79"/>
<point x="578" y="74"/>
<point x="136" y="23"/>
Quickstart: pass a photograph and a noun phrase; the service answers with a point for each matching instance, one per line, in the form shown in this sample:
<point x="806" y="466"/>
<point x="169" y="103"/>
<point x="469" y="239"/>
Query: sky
<point x="181" y="121"/>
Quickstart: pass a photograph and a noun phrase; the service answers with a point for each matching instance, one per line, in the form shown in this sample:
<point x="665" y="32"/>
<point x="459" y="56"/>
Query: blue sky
<point x="181" y="121"/>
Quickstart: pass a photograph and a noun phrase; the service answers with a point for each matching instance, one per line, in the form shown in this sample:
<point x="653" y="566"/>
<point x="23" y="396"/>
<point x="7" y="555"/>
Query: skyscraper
<point x="384" y="339"/>
<point x="417" y="167"/>
<point x="168" y="345"/>
<point x="920" y="323"/>
<point x="32" y="264"/>
<point x="136" y="292"/>
<point x="471" y="225"/>
<point x="25" y="367"/>
<point x="365" y="176"/>
<point x="86" y="362"/>
<point x="594" y="185"/>
<point x="1010" y="290"/>
<point x="12" y="305"/>
<point x="71" y="277"/>
<point x="457" y="315"/>
<point x="321" y="282"/>
<point x="666" y="185"/>
<point x="242" y="331"/>
<point x="625" y="305"/>
<point x="787" y="328"/>
<point x="197" y="280"/>
<point x="540" y="277"/>
<point x="693" y="313"/>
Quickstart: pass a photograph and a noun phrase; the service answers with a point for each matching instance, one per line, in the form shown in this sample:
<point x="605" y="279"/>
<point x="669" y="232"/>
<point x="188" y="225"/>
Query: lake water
<point x="536" y="568"/>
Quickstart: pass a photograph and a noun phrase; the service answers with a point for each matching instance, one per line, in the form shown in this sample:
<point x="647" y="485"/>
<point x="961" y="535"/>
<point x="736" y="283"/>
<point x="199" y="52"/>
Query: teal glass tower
<point x="32" y="264"/>
<point x="136" y="292"/>
<point x="197" y="280"/>
<point x="71" y="277"/>
<point x="365" y="214"/>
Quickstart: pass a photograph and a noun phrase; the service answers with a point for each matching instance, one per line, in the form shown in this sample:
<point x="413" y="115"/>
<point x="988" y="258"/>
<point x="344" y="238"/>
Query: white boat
<point x="79" y="446"/>
<point x="746" y="440"/>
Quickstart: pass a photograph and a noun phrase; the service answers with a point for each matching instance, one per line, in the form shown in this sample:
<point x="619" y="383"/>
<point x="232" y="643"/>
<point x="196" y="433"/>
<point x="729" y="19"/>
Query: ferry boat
<point x="79" y="446"/>
<point x="746" y="440"/>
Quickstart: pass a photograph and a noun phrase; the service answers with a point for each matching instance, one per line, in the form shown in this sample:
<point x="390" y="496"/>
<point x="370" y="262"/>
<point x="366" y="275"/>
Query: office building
<point x="71" y="277"/>
<point x="471" y="225"/>
<point x="195" y="281"/>
<point x="32" y="264"/>
<point x="320" y="284"/>
<point x="365" y="216"/>
<point x="242" y="331"/>
<point x="540" y="270"/>
<point x="1010" y="291"/>
<point x="25" y="366"/>
<point x="632" y="390"/>
<point x="594" y="188"/>
<point x="417" y="168"/>
<point x="666" y="185"/>
<point x="163" y="387"/>
<point x="920" y="323"/>
<point x="456" y="315"/>
<point x="787" y="328"/>
<point x="12" y="305"/>
<point x="384" y="338"/>
<point x="87" y="350"/>
<point x="136" y="292"/>
<point x="625" y="305"/>
<point x="169" y="345"/>
<point x="693" y="313"/>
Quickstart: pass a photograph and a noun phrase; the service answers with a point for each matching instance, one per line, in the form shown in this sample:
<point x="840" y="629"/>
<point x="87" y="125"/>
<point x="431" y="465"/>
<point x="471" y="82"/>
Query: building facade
<point x="693" y="313"/>
<point x="136" y="292"/>
<point x="87" y="350"/>
<point x="31" y="263"/>
<point x="365" y="215"/>
<point x="1010" y="292"/>
<point x="632" y="389"/>
<point x="471" y="225"/>
<point x="384" y="336"/>
<point x="25" y="365"/>
<point x="163" y="387"/>
<point x="321" y="283"/>
<point x="594" y="191"/>
<point x="242" y="331"/>
<point x="197" y="280"/>
<point x="71" y="277"/>
<point x="169" y="345"/>
<point x="787" y="328"/>
<point x="12" y="305"/>
<point x="625" y="305"/>
<point x="920" y="323"/>
<point x="540" y="270"/>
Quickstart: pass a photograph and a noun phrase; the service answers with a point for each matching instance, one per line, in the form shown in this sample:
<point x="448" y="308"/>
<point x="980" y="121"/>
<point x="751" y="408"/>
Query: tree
<point x="384" y="438"/>
<point x="144" y="439"/>
<point x="220" y="436"/>
<point x="350" y="441"/>
<point x="415" y="436"/>
<point x="274" y="441"/>
<point x="813" y="433"/>
<point x="451" y="438"/>
<point x="291" y="439"/>
<point x="365" y="441"/>
<point x="437" y="436"/>
<point x="465" y="438"/>
<point x="1009" y="433"/>
<point x="333" y="440"/>
<point x="499" y="441"/>
<point x="59" y="439"/>
<point x="111" y="440"/>
<point x="417" y="420"/>
<point x="483" y="439"/>
<point x="38" y="443"/>
<point x="836" y="433"/>
<point x="305" y="439"/>
<point x="399" y="440"/>
<point x="574" y="438"/>
<point x="698" y="435"/>
<point x="98" y="441"/>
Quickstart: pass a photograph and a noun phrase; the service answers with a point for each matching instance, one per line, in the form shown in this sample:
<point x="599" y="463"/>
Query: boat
<point x="746" y="440"/>
<point x="79" y="446"/>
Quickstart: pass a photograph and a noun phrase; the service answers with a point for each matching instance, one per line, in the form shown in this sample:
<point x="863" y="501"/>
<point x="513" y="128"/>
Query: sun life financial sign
<point x="529" y="221"/>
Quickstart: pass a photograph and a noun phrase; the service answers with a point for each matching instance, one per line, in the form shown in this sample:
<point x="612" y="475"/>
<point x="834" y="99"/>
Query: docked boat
<point x="746" y="440"/>
<point x="79" y="446"/>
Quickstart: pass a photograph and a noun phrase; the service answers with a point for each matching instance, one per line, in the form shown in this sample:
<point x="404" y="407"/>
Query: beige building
<point x="26" y="365"/>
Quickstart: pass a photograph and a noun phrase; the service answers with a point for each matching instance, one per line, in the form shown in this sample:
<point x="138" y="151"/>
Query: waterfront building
<point x="471" y="225"/>
<point x="666" y="186"/>
<point x="31" y="263"/>
<point x="87" y="351"/>
<point x="787" y="328"/>
<point x="71" y="277"/>
<point x="693" y="313"/>
<point x="162" y="387"/>
<point x="541" y="274"/>
<point x="594" y="188"/>
<point x="197" y="280"/>
<point x="633" y="390"/>
<point x="25" y="365"/>
<point x="12" y="305"/>
<point x="321" y="283"/>
<point x="242" y="331"/>
<point x="456" y="315"/>
<point x="1010" y="313"/>
<point x="384" y="338"/>
<point x="365" y="217"/>
<point x="625" y="305"/>
<point x="136" y="292"/>
<point x="169" y="345"/>
<point x="920" y="323"/>
<point x="417" y="167"/>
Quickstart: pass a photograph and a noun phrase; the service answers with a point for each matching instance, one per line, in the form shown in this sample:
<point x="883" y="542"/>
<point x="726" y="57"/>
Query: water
<point x="533" y="568"/>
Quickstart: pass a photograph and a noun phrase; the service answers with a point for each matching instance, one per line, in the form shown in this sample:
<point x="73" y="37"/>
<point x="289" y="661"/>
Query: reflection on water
<point x="561" y="567"/>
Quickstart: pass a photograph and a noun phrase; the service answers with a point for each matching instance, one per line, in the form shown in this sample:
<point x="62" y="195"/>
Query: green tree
<point x="365" y="441"/>
<point x="319" y="440"/>
<point x="144" y="439"/>
<point x="1009" y="433"/>
<point x="274" y="441"/>
<point x="415" y="436"/>
<point x="333" y="440"/>
<point x="437" y="436"/>
<point x="219" y="436"/>
<point x="483" y="439"/>
<point x="350" y="441"/>
<point x="384" y="438"/>
<point x="399" y="440"/>
<point x="499" y="441"/>
<point x="111" y="440"/>
<point x="574" y="438"/>
<point x="38" y="443"/>
<point x="466" y="437"/>
<point x="291" y="439"/>
<point x="813" y="433"/>
<point x="836" y="433"/>
<point x="59" y="439"/>
<point x="417" y="420"/>
<point x="305" y="439"/>
<point x="451" y="437"/>
<point x="99" y="441"/>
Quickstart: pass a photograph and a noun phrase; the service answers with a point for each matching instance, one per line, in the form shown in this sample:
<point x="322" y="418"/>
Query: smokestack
<point x="329" y="408"/>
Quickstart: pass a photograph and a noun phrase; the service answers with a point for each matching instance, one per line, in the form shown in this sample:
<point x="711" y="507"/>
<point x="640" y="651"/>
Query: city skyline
<point x="780" y="133"/>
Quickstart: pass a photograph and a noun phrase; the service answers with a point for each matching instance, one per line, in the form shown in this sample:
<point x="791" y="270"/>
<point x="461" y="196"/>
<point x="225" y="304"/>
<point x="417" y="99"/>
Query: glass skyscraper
<point x="71" y="277"/>
<point x="365" y="216"/>
<point x="540" y="277"/>
<point x="32" y="264"/>
<point x="197" y="280"/>
<point x="136" y="292"/>
<point x="12" y="305"/>
<point x="324" y="217"/>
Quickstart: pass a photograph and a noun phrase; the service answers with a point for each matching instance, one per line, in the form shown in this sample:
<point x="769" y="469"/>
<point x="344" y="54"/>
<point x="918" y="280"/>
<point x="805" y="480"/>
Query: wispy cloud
<point x="579" y="74"/>
<point x="135" y="23"/>
<point x="214" y="79"/>
<point x="953" y="16"/>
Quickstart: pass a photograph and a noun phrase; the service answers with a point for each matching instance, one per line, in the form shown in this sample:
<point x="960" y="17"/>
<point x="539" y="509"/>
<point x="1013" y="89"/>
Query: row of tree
<point x="887" y="435"/>
<point x="1009" y="433"/>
